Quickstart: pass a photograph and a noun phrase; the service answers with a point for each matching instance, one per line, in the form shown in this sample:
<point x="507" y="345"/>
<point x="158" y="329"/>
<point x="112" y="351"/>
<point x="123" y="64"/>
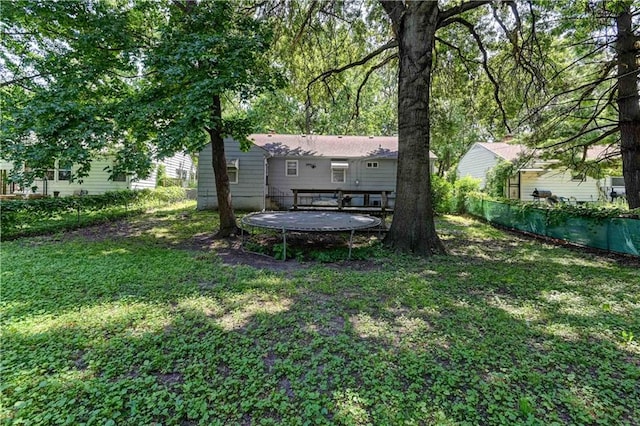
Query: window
<point x="64" y="171"/>
<point x="291" y="168"/>
<point x="372" y="165"/>
<point x="338" y="175"/>
<point x="120" y="177"/>
<point x="182" y="174"/>
<point x="617" y="181"/>
<point x="233" y="170"/>
<point x="339" y="170"/>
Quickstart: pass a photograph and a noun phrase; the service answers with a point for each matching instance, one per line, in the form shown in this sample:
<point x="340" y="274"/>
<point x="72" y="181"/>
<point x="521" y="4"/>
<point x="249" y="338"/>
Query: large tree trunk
<point x="228" y="224"/>
<point x="413" y="227"/>
<point x="629" y="106"/>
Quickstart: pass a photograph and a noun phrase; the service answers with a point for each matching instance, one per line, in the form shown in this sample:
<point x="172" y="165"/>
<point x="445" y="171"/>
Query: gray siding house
<point x="264" y="177"/>
<point x="247" y="177"/>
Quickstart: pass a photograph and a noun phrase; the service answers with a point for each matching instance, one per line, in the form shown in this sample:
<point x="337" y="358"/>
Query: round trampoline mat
<point x="311" y="221"/>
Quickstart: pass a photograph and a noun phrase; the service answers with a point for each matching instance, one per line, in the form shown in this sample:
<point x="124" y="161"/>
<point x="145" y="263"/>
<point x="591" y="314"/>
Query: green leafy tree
<point x="312" y="41"/>
<point x="407" y="35"/>
<point x="139" y="80"/>
<point x="593" y="96"/>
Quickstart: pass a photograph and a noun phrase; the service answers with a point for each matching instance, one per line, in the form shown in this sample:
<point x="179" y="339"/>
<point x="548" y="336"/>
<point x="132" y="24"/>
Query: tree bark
<point x="629" y="105"/>
<point x="413" y="226"/>
<point x="228" y="225"/>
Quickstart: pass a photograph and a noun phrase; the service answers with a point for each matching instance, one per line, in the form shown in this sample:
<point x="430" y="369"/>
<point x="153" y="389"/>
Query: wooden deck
<point x="342" y="201"/>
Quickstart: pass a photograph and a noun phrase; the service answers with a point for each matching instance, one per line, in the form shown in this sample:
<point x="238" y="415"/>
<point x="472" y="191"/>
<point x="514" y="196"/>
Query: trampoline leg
<point x="350" y="243"/>
<point x="284" y="245"/>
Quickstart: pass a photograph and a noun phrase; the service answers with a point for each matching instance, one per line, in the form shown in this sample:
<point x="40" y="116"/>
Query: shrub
<point x="18" y="217"/>
<point x="441" y="192"/>
<point x="461" y="189"/>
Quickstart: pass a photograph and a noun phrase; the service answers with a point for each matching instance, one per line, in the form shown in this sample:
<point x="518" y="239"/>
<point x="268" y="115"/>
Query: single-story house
<point x="264" y="176"/>
<point x="57" y="180"/>
<point x="537" y="174"/>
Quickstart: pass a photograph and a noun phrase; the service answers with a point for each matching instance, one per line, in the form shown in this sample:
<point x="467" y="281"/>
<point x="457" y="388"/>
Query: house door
<point x="514" y="187"/>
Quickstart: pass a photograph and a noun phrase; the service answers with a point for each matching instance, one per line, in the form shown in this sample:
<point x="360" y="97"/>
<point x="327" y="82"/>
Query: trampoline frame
<point x="284" y="227"/>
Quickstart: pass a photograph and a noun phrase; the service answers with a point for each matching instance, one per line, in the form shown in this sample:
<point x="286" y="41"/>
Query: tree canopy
<point x="132" y="79"/>
<point x="142" y="80"/>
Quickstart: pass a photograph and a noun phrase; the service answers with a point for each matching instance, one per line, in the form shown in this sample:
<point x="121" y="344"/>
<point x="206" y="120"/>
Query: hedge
<point x="21" y="217"/>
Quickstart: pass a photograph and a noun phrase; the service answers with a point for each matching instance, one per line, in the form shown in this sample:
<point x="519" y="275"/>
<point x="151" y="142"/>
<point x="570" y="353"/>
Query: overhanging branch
<point x="485" y="66"/>
<point x="444" y="17"/>
<point x="366" y="78"/>
<point x="325" y="75"/>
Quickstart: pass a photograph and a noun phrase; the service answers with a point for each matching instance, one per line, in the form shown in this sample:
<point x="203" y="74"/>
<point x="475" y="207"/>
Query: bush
<point x="19" y="217"/>
<point x="167" y="195"/>
<point x="441" y="192"/>
<point x="461" y="189"/>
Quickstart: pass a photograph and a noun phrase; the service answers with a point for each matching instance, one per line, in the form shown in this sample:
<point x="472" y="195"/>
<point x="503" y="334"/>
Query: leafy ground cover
<point x="151" y="321"/>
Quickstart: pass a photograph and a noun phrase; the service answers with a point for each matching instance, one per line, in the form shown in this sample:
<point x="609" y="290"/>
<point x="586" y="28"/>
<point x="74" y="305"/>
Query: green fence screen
<point x="621" y="235"/>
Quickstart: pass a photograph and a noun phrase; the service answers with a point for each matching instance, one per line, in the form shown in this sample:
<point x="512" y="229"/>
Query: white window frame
<point x="344" y="175"/>
<point x="286" y="167"/>
<point x="233" y="171"/>
<point x="372" y="165"/>
<point x="66" y="170"/>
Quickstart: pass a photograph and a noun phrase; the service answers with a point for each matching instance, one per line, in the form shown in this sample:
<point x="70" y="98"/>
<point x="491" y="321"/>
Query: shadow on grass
<point x="139" y="333"/>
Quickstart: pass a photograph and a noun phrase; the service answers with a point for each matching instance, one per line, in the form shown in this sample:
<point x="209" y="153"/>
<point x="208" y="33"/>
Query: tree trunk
<point x="629" y="106"/>
<point x="228" y="224"/>
<point x="413" y="227"/>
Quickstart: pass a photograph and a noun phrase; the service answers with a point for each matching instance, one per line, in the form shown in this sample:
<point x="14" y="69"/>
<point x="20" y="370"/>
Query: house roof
<point x="328" y="146"/>
<point x="511" y="152"/>
<point x="507" y="151"/>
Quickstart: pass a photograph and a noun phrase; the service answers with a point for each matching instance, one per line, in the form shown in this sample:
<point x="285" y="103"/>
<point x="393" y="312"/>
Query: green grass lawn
<point x="142" y="323"/>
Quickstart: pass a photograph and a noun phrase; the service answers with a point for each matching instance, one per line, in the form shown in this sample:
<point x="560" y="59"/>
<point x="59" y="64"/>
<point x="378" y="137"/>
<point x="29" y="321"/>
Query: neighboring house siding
<point x="96" y="183"/>
<point x="180" y="166"/>
<point x="172" y="165"/>
<point x="476" y="163"/>
<point x="249" y="192"/>
<point x="560" y="184"/>
<point x="147" y="183"/>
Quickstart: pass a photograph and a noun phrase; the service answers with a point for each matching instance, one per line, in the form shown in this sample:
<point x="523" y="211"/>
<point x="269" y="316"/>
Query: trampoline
<point x="308" y="221"/>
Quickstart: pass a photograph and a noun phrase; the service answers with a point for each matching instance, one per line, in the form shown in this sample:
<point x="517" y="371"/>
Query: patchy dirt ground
<point x="233" y="251"/>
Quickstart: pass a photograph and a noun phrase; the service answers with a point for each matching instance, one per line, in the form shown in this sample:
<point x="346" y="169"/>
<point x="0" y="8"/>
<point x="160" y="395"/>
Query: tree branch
<point x="395" y="10"/>
<point x="325" y="75"/>
<point x="444" y="17"/>
<point x="613" y="129"/>
<point x="485" y="66"/>
<point x="366" y="78"/>
<point x="305" y="23"/>
<point x="17" y="81"/>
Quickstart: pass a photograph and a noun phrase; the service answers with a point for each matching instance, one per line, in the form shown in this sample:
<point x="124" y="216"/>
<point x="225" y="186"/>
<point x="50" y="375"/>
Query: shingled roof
<point x="511" y="152"/>
<point x="507" y="151"/>
<point x="328" y="146"/>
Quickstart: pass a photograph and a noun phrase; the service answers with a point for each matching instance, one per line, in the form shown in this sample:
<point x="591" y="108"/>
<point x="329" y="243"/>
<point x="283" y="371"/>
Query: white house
<point x="536" y="174"/>
<point x="57" y="180"/>
<point x="264" y="177"/>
